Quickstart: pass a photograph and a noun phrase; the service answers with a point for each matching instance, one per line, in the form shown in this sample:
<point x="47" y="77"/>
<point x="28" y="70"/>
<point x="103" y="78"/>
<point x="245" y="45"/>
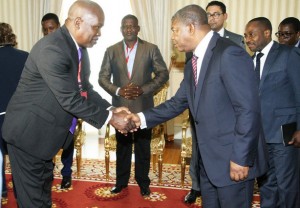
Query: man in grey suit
<point x="138" y="72"/>
<point x="220" y="90"/>
<point x="216" y="14"/>
<point x="53" y="91"/>
<point x="279" y="89"/>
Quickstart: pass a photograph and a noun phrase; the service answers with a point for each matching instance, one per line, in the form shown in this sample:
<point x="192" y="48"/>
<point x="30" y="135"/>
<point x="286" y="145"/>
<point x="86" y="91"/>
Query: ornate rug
<point x="91" y="190"/>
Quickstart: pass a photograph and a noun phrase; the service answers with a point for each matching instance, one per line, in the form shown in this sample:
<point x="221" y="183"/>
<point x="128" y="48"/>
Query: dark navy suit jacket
<point x="12" y="62"/>
<point x="225" y="108"/>
<point x="280" y="90"/>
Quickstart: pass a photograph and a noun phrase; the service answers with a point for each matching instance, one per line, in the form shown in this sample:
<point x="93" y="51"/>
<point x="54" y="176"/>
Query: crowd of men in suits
<point x="238" y="104"/>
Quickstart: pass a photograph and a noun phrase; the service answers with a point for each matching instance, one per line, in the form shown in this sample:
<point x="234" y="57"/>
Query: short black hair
<point x="130" y="16"/>
<point x="217" y="3"/>
<point x="51" y="16"/>
<point x="291" y="21"/>
<point x="191" y="14"/>
<point x="264" y="22"/>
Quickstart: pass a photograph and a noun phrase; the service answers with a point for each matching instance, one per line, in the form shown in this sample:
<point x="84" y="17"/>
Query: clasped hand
<point x="296" y="139"/>
<point x="124" y="121"/>
<point x="130" y="91"/>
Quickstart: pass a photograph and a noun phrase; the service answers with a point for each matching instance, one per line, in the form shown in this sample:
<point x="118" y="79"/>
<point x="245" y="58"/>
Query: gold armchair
<point x="186" y="145"/>
<point x="157" y="140"/>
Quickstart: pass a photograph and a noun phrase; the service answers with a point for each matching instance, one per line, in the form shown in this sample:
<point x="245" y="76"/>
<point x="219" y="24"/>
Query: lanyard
<point x="128" y="51"/>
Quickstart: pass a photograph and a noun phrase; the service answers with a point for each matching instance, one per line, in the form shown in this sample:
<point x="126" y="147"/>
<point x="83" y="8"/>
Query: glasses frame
<point x="284" y="34"/>
<point x="215" y="15"/>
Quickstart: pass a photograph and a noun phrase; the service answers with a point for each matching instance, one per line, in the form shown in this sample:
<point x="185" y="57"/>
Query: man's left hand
<point x="237" y="172"/>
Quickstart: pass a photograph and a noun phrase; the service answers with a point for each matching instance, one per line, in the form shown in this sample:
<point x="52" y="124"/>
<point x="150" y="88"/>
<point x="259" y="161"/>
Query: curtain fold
<point x="25" y="18"/>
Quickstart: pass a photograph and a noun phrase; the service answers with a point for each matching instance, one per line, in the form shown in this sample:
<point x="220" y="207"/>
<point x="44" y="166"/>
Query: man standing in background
<point x="277" y="71"/>
<point x="50" y="23"/>
<point x="138" y="72"/>
<point x="289" y="32"/>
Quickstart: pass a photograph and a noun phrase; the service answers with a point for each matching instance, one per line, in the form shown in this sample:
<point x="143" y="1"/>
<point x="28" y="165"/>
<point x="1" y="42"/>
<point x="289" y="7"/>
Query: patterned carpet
<point x="95" y="187"/>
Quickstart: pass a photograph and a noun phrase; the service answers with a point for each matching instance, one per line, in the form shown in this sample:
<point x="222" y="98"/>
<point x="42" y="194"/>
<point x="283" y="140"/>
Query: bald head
<point x="84" y="22"/>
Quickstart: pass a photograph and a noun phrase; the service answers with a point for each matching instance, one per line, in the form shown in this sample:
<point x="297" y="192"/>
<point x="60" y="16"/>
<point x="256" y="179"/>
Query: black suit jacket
<point x="40" y="113"/>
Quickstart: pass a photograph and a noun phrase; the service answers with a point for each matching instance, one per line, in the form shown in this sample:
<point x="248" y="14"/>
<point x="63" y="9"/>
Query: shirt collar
<point x="202" y="46"/>
<point x="221" y="32"/>
<point x="266" y="49"/>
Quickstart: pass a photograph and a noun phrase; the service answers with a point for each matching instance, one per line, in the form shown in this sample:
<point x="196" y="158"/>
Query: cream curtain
<point x="25" y="18"/>
<point x="155" y="17"/>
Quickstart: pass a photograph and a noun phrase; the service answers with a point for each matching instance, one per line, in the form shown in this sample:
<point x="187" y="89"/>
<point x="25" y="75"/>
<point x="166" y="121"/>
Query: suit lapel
<point x="269" y="62"/>
<point x="121" y="56"/>
<point x="204" y="67"/>
<point x="138" y="57"/>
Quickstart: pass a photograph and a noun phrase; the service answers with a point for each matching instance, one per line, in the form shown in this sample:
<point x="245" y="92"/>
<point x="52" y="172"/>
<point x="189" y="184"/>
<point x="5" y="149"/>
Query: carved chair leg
<point x="154" y="161"/>
<point x="107" y="164"/>
<point x="183" y="164"/>
<point x="78" y="161"/>
<point x="160" y="162"/>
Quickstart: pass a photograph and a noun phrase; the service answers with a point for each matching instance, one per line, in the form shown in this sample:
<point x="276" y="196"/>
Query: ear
<point x="191" y="28"/>
<point x="77" y="22"/>
<point x="267" y="33"/>
<point x="225" y="16"/>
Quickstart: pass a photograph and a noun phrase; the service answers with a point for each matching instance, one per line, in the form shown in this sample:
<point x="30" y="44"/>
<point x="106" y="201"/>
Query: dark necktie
<point x="74" y="121"/>
<point x="257" y="67"/>
<point x="194" y="65"/>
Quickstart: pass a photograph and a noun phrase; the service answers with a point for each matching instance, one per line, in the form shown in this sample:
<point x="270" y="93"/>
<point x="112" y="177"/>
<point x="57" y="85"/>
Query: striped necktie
<point x="194" y="65"/>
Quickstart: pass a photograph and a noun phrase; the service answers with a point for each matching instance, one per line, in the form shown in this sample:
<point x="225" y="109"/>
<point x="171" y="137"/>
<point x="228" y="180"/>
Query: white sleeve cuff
<point x="143" y="120"/>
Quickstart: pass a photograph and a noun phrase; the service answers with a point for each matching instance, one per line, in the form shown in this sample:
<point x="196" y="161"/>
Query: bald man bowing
<point x="53" y="92"/>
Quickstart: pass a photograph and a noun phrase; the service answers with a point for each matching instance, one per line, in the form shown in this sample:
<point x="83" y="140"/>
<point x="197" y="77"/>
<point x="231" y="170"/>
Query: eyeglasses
<point x="214" y="15"/>
<point x="284" y="34"/>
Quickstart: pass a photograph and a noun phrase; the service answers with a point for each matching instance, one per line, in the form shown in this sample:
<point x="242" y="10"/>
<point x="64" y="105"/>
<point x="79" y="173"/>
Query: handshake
<point x="124" y="121"/>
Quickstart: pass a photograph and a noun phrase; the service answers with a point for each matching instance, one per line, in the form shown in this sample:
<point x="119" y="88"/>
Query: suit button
<point x="196" y="122"/>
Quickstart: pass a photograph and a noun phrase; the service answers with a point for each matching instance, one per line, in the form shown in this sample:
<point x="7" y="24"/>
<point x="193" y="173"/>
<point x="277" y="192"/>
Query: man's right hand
<point x="130" y="91"/>
<point x="121" y="123"/>
<point x="134" y="118"/>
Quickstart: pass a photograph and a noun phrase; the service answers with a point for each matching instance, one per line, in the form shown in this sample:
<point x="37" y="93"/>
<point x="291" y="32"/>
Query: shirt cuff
<point x="117" y="91"/>
<point x="143" y="121"/>
<point x="109" y="114"/>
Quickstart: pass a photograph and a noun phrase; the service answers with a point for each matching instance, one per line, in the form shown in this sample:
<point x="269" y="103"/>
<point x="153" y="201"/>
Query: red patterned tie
<point x="194" y="65"/>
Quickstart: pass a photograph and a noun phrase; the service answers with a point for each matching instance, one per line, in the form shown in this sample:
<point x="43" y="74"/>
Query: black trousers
<point x="32" y="178"/>
<point x="141" y="140"/>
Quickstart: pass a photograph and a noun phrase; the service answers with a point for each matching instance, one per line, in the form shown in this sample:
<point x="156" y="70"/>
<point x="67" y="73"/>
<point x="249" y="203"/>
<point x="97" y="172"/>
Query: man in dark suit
<point x="50" y="23"/>
<point x="279" y="89"/>
<point x="289" y="32"/>
<point x="132" y="62"/>
<point x="217" y="15"/>
<point x="12" y="62"/>
<point x="53" y="91"/>
<point x="220" y="90"/>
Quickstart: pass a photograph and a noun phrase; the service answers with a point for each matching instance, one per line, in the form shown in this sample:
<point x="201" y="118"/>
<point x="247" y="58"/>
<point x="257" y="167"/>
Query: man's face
<point x="49" y="26"/>
<point x="180" y="36"/>
<point x="130" y="29"/>
<point x="256" y="37"/>
<point x="216" y="18"/>
<point x="287" y="35"/>
<point x="89" y="29"/>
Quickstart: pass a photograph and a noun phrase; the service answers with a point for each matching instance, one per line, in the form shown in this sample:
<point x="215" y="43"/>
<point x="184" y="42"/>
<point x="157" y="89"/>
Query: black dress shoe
<point x="192" y="196"/>
<point x="66" y="182"/>
<point x="117" y="189"/>
<point x="145" y="191"/>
